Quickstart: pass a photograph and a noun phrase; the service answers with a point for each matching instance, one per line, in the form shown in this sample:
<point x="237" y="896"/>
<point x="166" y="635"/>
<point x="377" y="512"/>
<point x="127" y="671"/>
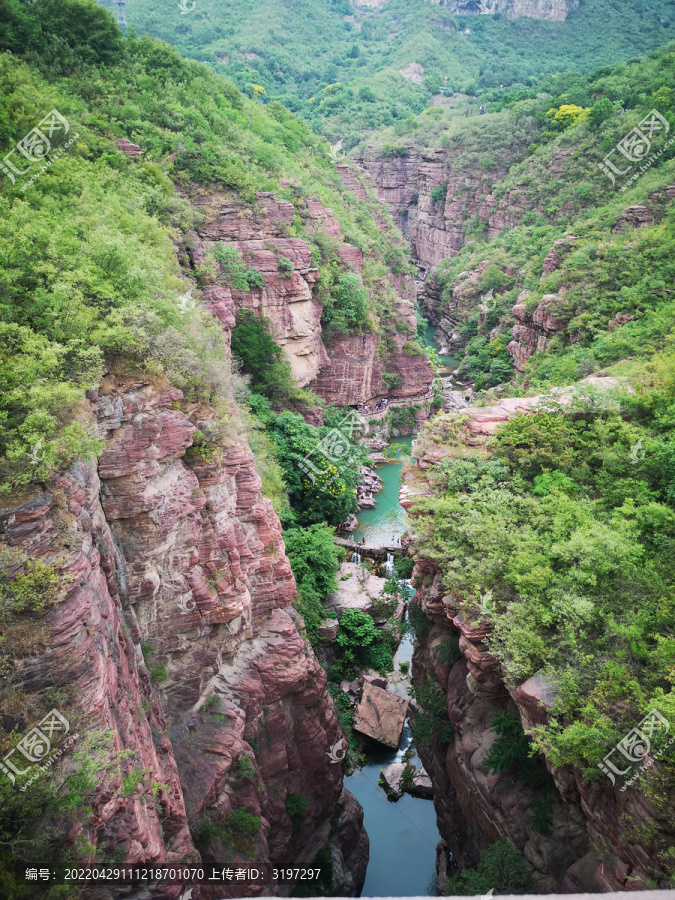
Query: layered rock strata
<point x="346" y="370"/>
<point x="475" y="807"/>
<point x="226" y="706"/>
<point x="601" y="838"/>
<point x="173" y="634"/>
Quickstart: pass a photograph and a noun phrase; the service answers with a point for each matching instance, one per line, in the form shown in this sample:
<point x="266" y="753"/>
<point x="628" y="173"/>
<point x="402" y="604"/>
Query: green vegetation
<point x="297" y="807"/>
<point x="238" y="832"/>
<point x="108" y="286"/>
<point x="234" y="271"/>
<point x="314" y="560"/>
<point x="431" y="716"/>
<point x="261" y="358"/>
<point x="35" y="814"/>
<point x="501" y="868"/>
<point x="572" y="530"/>
<point x="319" y="490"/>
<point x="351" y="84"/>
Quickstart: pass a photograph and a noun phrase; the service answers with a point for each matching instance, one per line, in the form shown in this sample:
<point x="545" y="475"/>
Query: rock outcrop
<point x="173" y="632"/>
<point x="551" y="10"/>
<point x="533" y="331"/>
<point x="475" y="806"/>
<point x="346" y="370"/>
<point x="285" y="298"/>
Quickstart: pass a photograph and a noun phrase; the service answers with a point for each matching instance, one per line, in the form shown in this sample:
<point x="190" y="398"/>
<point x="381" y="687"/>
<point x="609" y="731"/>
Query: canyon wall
<point x="597" y="839"/>
<point x="178" y="656"/>
<point x="600" y="838"/>
<point x="435" y="228"/>
<point x="346" y="369"/>
<point x="175" y="636"/>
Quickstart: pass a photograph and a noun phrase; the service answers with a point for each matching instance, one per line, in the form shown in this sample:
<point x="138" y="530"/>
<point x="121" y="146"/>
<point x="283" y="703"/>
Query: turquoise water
<point x="403" y="835"/>
<point x="378" y="525"/>
<point x="448" y="361"/>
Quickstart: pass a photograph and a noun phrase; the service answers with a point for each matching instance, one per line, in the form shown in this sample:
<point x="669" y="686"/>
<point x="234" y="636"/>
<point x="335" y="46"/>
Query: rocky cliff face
<point x="601" y="838"/>
<point x="476" y="807"/>
<point x="597" y="839"/>
<point x="552" y="10"/>
<point x="184" y="558"/>
<point x="345" y="370"/>
<point x="436" y="228"/>
<point x="174" y="634"/>
<point x="259" y="233"/>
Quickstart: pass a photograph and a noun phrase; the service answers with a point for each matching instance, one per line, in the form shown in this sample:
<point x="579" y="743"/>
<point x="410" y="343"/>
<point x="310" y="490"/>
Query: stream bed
<point x="403" y="835"/>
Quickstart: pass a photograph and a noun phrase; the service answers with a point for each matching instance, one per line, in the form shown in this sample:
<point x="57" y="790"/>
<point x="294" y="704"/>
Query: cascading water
<point x="389" y="565"/>
<point x="355" y="558"/>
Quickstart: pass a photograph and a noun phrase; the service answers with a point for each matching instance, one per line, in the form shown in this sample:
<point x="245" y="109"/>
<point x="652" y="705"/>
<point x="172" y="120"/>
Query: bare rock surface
<point x="380" y="715"/>
<point x="358" y="588"/>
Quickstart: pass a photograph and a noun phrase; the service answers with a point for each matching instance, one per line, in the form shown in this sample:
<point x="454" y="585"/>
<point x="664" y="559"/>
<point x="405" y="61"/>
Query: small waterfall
<point x="389" y="565"/>
<point x="355" y="558"/>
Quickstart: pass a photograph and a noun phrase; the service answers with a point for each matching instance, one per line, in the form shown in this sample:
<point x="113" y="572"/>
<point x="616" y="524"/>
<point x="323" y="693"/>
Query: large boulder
<point x="380" y="715"/>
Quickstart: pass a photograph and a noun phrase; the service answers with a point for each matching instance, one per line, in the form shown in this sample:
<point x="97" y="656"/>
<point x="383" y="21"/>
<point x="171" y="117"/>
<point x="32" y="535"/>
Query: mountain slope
<point x="339" y="65"/>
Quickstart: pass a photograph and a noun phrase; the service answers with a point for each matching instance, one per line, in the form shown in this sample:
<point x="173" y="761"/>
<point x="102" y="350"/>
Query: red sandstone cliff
<point x="345" y="369"/>
<point x="174" y="635"/>
<point x="185" y="559"/>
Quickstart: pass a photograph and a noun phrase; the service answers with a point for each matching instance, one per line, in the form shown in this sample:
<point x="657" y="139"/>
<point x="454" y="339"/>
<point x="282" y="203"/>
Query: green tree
<point x="314" y="560"/>
<point x="357" y="629"/>
<point x="501" y="868"/>
<point x="261" y="358"/>
<point x="600" y="112"/>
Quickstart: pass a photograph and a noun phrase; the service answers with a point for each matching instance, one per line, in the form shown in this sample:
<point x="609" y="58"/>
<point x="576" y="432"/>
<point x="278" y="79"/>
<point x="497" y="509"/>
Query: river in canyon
<point x="403" y="835"/>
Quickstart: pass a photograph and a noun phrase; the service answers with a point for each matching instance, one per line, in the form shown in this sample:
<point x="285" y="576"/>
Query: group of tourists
<point x="349" y="523"/>
<point x="369" y="485"/>
<point x="381" y="404"/>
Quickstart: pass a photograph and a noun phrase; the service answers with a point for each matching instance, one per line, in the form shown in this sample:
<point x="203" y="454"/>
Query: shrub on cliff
<point x="501" y="868"/>
<point x="261" y="357"/>
<point x="319" y="489"/>
<point x="315" y="561"/>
